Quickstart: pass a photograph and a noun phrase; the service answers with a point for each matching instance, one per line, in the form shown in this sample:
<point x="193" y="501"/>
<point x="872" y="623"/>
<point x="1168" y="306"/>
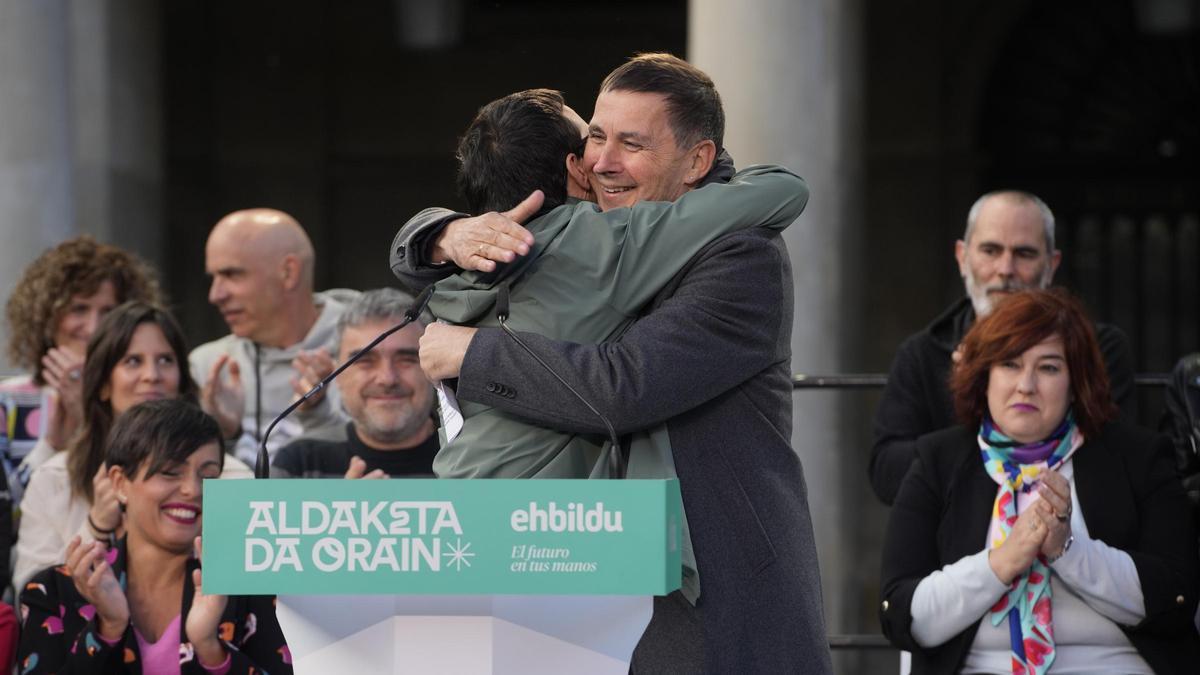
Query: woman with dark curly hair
<point x="52" y="313"/>
<point x="1043" y="534"/>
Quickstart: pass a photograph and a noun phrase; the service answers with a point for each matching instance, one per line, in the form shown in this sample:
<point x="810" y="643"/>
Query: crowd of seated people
<point x="134" y="603"/>
<point x="1042" y="532"/>
<point x="115" y="411"/>
<point x="1033" y="527"/>
<point x="137" y="354"/>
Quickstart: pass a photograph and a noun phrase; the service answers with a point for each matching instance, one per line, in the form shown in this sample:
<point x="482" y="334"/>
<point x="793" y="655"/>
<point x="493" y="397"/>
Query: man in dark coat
<point x="1008" y="245"/>
<point x="710" y="358"/>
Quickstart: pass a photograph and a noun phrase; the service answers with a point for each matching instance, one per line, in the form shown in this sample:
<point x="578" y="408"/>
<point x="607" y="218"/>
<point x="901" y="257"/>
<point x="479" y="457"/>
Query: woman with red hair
<point x="1042" y="532"/>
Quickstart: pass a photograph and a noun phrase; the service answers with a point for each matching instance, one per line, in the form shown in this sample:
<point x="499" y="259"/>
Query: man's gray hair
<point x="1020" y="197"/>
<point x="382" y="305"/>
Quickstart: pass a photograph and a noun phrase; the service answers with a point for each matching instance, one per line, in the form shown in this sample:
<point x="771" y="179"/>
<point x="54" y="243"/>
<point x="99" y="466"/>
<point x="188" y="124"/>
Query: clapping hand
<point x="311" y="367"/>
<point x="1021" y="548"/>
<point x="1055" y="494"/>
<point x="62" y="370"/>
<point x="87" y="564"/>
<point x="203" y="620"/>
<point x="225" y="401"/>
<point x="358" y="469"/>
<point x="106" y="509"/>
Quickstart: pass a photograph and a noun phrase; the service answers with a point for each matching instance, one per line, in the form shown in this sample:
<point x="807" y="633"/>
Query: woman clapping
<point x="1042" y="533"/>
<point x="139" y="607"/>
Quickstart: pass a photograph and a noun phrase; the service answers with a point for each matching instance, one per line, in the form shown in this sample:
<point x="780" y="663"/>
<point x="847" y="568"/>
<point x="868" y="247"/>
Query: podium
<point x="428" y="576"/>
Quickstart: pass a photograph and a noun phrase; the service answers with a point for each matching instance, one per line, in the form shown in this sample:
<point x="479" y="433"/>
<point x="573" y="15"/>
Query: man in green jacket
<point x="707" y="364"/>
<point x="588" y="274"/>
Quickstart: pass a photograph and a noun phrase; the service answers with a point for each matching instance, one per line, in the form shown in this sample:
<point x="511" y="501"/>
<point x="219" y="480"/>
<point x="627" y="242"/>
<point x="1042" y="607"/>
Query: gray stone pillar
<point x="116" y="121"/>
<point x="789" y="75"/>
<point x="36" y="208"/>
<point x="80" y="128"/>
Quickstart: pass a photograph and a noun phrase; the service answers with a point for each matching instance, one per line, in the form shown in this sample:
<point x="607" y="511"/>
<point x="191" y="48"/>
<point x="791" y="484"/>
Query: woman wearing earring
<point x="138" y="606"/>
<point x="1042" y="533"/>
<point x="137" y="354"/>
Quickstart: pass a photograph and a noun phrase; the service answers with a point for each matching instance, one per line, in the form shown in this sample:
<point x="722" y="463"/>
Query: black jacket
<point x="1130" y="497"/>
<point x="917" y="401"/>
<point x="712" y="360"/>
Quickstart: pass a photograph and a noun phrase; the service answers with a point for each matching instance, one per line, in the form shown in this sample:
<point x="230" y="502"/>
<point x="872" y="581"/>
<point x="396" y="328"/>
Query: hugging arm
<point x="719" y="328"/>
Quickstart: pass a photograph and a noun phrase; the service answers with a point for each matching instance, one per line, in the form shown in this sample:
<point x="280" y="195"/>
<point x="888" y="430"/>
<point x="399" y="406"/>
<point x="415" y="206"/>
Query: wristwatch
<point x="1066" y="547"/>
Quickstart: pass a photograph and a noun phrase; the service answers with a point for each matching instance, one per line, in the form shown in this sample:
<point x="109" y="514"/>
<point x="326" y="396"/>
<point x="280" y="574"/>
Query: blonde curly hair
<point x="75" y="267"/>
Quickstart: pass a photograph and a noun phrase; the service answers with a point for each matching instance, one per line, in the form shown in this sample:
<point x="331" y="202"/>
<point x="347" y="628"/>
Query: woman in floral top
<point x="137" y="606"/>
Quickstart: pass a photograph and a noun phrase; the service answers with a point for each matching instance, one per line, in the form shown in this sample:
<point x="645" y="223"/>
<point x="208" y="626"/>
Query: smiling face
<point x="82" y="314"/>
<point x="631" y="153"/>
<point x="1028" y="395"/>
<point x="148" y="370"/>
<point x="164" y="509"/>
<point x="385" y="392"/>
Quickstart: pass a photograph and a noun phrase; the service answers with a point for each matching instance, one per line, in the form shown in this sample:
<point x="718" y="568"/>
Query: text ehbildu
<point x="572" y="517"/>
<point x="366" y="536"/>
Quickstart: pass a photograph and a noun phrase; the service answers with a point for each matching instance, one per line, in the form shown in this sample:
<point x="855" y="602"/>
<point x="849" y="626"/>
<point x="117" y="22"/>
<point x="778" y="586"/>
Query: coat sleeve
<point x="41" y="539"/>
<point x="59" y="636"/>
<point x="719" y="328"/>
<point x="910" y="549"/>
<point x="901" y="417"/>
<point x="407" y="257"/>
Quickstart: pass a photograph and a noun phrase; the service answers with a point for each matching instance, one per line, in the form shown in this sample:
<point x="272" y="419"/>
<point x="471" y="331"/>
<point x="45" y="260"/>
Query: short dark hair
<point x="107" y="346"/>
<point x="1022" y="321"/>
<point x="515" y="145"/>
<point x="693" y="104"/>
<point x="160" y="434"/>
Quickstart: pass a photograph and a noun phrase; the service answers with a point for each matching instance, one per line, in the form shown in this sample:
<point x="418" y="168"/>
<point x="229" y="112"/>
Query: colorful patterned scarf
<point x="1018" y="467"/>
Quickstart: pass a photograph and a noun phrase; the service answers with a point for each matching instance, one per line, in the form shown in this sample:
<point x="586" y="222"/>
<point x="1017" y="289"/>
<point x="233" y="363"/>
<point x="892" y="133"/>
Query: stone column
<point x="789" y="74"/>
<point x="36" y="208"/>
<point x="116" y="121"/>
<point x="80" y="128"/>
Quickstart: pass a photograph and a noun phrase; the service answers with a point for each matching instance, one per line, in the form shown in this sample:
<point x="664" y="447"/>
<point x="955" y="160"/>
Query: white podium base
<point x="528" y="634"/>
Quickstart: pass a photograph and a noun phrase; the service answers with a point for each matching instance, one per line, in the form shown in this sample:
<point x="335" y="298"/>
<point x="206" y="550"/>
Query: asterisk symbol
<point x="459" y="554"/>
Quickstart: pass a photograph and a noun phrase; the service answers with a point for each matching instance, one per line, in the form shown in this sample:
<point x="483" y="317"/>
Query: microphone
<point x="262" y="465"/>
<point x="617" y="464"/>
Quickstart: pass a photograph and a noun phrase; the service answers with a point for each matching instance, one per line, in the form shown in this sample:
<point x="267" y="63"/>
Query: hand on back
<point x="479" y="242"/>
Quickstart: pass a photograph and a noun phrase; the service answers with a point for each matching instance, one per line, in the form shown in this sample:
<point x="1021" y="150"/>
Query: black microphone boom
<point x="262" y="465"/>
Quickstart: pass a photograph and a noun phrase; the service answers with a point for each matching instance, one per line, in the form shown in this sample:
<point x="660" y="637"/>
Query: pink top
<point x="163" y="657"/>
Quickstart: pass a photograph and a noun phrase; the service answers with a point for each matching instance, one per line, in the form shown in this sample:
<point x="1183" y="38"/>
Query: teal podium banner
<point x="431" y="537"/>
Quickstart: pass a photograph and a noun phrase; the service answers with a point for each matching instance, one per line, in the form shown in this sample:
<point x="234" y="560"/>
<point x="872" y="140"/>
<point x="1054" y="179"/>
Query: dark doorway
<point x="328" y="110"/>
